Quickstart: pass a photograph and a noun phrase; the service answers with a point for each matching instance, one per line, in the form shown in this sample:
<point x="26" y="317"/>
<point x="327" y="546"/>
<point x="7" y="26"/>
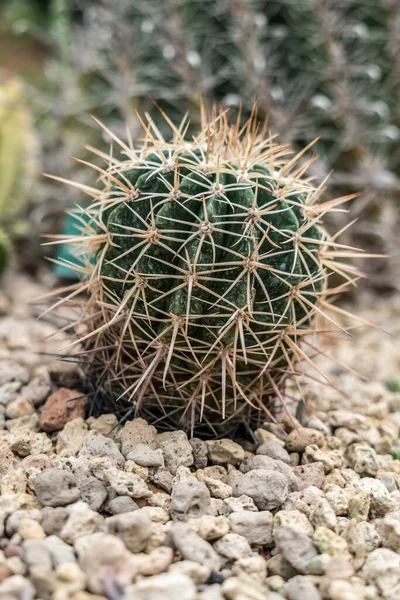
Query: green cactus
<point x="18" y="149"/>
<point x="5" y="251"/>
<point x="207" y="270"/>
<point x="18" y="153"/>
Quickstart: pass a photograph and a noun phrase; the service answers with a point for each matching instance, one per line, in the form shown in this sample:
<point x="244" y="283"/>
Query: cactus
<point x="18" y="149"/>
<point x="5" y="251"/>
<point x="318" y="68"/>
<point x="207" y="271"/>
<point x="18" y="153"/>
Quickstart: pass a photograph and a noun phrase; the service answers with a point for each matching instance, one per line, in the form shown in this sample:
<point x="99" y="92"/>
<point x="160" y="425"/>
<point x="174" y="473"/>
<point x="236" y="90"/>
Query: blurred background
<point x="327" y="68"/>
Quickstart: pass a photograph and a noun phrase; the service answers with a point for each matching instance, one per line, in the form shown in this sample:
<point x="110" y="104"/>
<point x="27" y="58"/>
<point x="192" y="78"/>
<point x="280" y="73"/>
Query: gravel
<point x="91" y="509"/>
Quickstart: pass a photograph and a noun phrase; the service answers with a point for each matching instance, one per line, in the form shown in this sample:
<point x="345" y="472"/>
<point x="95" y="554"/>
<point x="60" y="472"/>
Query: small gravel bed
<point x="90" y="509"/>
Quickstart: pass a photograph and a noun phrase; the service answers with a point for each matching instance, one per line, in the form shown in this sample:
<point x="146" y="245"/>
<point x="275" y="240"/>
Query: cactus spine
<point x="207" y="270"/>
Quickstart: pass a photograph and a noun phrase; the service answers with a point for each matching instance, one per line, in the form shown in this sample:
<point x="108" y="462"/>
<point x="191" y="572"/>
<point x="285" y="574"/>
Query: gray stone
<point x="192" y="546"/>
<point x="137" y="432"/>
<point x="34" y="552"/>
<point x="121" y="504"/>
<point x="92" y="491"/>
<point x="200" y="453"/>
<point x="16" y="587"/>
<point x="301" y="588"/>
<point x="162" y="478"/>
<point x="243" y="502"/>
<point x="100" y="445"/>
<point x="60" y="552"/>
<point x="16" y="516"/>
<point x="168" y="586"/>
<point x="382" y="568"/>
<point x="381" y="501"/>
<point x="104" y="554"/>
<point x="232" y="547"/>
<point x="268" y="489"/>
<point x="256" y="527"/>
<point x="189" y="499"/>
<point x="37" y="390"/>
<point x="176" y="450"/>
<point x="12" y="371"/>
<point x="9" y="392"/>
<point x="54" y="487"/>
<point x="260" y="461"/>
<point x="127" y="484"/>
<point x="145" y="456"/>
<point x="81" y="521"/>
<point x="309" y="475"/>
<point x="134" y="529"/>
<point x="295" y="547"/>
<point x="53" y="519"/>
<point x="299" y="439"/>
<point x="274" y="450"/>
<point x="225" y="451"/>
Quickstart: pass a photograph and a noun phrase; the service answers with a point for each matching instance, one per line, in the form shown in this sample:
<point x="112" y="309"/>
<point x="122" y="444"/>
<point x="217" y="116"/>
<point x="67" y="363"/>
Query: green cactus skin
<point x="5" y="251"/>
<point x="18" y="149"/>
<point x="207" y="268"/>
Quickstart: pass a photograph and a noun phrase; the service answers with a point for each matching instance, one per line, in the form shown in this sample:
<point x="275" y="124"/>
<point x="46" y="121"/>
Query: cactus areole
<point x="206" y="273"/>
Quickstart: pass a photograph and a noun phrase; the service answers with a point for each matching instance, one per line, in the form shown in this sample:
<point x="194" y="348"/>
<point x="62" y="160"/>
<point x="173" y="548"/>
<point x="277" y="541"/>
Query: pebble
<point x="295" y="547"/>
<point x="192" y="546"/>
<point x="81" y="521"/>
<point x="99" y="445"/>
<point x="96" y="510"/>
<point x="301" y="588"/>
<point x="189" y="499"/>
<point x="268" y="489"/>
<point x="210" y="527"/>
<point x="127" y="484"/>
<point x="72" y="436"/>
<point x="231" y="547"/>
<point x="253" y="566"/>
<point x="200" y="453"/>
<point x="222" y="452"/>
<point x="176" y="450"/>
<point x="274" y="450"/>
<point x="381" y="501"/>
<point x="137" y="432"/>
<point x="55" y="487"/>
<point x="134" y="529"/>
<point x="294" y="519"/>
<point x="121" y="504"/>
<point x="154" y="563"/>
<point x="299" y="439"/>
<point x="312" y="474"/>
<point x="104" y="554"/>
<point x="198" y="573"/>
<point x="145" y="456"/>
<point x="269" y="464"/>
<point x="329" y="542"/>
<point x="63" y="406"/>
<point x="168" y="586"/>
<point x="256" y="527"/>
<point x="243" y="502"/>
<point x="243" y="588"/>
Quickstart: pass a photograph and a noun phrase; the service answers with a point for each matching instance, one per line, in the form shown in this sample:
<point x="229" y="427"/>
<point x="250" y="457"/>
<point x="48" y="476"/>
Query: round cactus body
<point x="207" y="266"/>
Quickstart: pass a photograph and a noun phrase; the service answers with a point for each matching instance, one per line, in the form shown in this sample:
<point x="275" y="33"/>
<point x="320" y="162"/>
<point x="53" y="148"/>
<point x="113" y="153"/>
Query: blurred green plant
<point x="393" y="384"/>
<point x="319" y="68"/>
<point x="18" y="162"/>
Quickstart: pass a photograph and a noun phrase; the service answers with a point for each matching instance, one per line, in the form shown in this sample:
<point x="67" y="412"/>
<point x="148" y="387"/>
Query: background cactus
<point x="5" y="251"/>
<point x="318" y="68"/>
<point x="18" y="161"/>
<point x="206" y="266"/>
